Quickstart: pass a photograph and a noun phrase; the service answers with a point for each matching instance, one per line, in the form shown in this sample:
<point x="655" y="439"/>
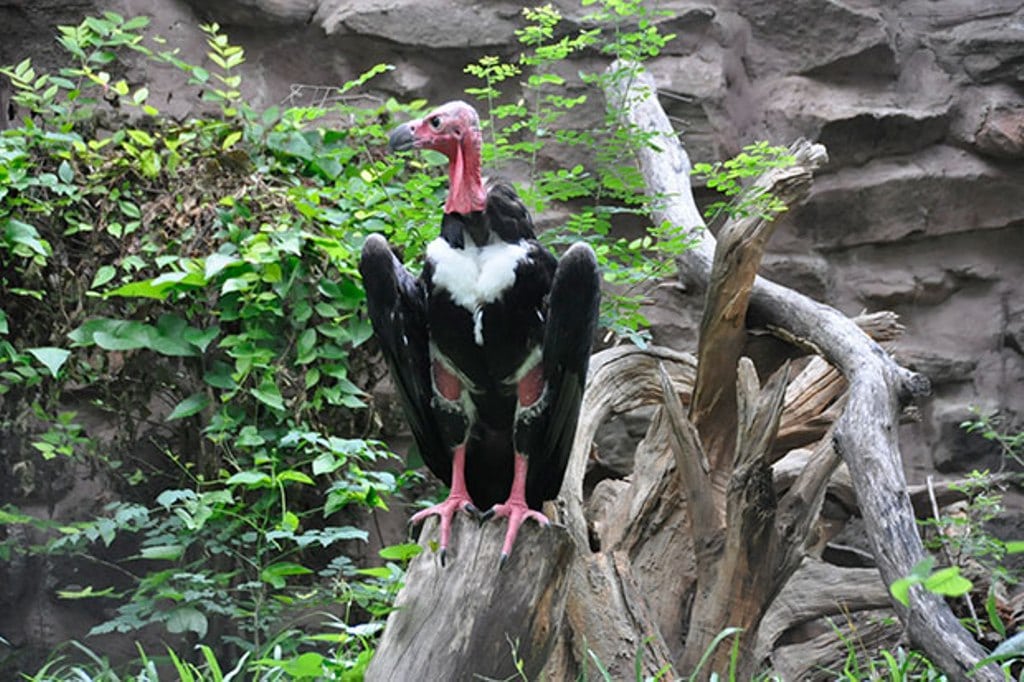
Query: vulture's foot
<point x="446" y="511"/>
<point x="516" y="511"/>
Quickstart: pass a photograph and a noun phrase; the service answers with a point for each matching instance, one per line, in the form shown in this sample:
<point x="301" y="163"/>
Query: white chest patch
<point x="475" y="275"/>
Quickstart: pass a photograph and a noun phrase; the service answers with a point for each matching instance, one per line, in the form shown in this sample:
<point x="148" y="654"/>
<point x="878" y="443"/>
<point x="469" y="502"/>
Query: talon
<point x="516" y="513"/>
<point x="487" y="515"/>
<point x="445" y="511"/>
<point x="458" y="499"/>
<point x="515" y="508"/>
<point x="502" y="561"/>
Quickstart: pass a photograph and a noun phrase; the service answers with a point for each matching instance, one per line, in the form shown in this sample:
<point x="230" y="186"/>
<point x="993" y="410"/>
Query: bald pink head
<point x="454" y="130"/>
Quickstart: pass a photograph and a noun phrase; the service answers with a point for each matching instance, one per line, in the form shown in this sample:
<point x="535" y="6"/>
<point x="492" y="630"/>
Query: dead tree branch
<point x="865" y="434"/>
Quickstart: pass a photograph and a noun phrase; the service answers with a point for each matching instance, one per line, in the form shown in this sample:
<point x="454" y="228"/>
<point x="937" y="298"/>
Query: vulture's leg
<point x="515" y="508"/>
<point x="448" y="392"/>
<point x="550" y="391"/>
<point x="457" y="499"/>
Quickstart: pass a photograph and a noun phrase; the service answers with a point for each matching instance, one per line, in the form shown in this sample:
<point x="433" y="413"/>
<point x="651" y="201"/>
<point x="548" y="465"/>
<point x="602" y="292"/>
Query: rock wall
<point x="920" y="103"/>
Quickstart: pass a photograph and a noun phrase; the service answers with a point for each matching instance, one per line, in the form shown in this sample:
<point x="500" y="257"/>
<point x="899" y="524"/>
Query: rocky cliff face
<point x="920" y="103"/>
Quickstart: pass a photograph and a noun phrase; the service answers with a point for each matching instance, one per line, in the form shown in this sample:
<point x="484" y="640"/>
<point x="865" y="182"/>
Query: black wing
<point x="571" y="322"/>
<point x="506" y="213"/>
<point x="397" y="304"/>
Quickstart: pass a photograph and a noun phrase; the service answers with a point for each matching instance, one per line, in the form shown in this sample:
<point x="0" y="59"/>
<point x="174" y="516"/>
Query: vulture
<point x="489" y="346"/>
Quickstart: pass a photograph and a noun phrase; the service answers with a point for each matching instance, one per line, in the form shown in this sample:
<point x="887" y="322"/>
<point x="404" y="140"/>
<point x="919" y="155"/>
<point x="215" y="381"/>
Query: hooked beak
<point x="401" y="138"/>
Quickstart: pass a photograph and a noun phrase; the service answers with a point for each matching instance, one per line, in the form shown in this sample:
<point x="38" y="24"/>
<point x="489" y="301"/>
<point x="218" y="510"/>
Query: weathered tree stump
<point x="470" y="619"/>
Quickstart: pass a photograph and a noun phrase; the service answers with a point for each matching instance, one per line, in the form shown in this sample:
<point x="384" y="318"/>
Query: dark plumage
<point x="489" y="346"/>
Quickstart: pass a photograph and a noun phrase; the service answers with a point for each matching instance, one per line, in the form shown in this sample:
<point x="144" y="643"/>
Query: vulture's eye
<point x="435" y="122"/>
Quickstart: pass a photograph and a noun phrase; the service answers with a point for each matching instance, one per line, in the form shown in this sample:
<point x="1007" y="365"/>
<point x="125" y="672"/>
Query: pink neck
<point x="466" y="191"/>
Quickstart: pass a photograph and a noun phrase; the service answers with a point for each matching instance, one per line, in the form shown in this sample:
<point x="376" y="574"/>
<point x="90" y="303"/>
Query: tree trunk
<point x="469" y="618"/>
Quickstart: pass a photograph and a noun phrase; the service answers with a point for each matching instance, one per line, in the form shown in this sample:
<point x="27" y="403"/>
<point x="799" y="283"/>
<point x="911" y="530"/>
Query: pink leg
<point x="515" y="508"/>
<point x="458" y="499"/>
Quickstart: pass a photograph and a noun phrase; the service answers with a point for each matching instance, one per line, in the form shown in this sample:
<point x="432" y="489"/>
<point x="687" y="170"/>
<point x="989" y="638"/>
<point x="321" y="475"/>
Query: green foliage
<point x="729" y="177"/>
<point x="217" y="258"/>
<point x="945" y="581"/>
<point x="964" y="538"/>
<point x="898" y="666"/>
<point x="991" y="427"/>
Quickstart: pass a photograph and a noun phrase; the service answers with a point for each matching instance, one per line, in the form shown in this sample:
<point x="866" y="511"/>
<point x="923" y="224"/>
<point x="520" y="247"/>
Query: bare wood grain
<point x="468" y="618"/>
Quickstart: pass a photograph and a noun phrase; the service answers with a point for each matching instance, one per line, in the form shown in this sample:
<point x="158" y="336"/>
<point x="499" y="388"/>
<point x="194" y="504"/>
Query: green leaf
<point x="149" y="163"/>
<point x="1011" y="647"/>
<point x="249" y="437"/>
<point x="297" y="476"/>
<point x="162" y="552"/>
<point x="140" y="96"/>
<point x="292" y="143"/>
<point x="305" y="346"/>
<point x="1012" y="546"/>
<point x="87" y="593"/>
<point x="26" y="235"/>
<point x="4" y="329"/>
<point x="992" y="609"/>
<point x="900" y="589"/>
<point x="401" y="552"/>
<point x="187" y="619"/>
<point x="922" y="569"/>
<point x="168" y="498"/>
<point x="159" y="287"/>
<point x="275" y="574"/>
<point x="333" y="534"/>
<point x="375" y="572"/>
<point x="219" y="376"/>
<point x="250" y="479"/>
<point x="191" y="405"/>
<point x="141" y="137"/>
<point x="326" y="463"/>
<point x="172" y="345"/>
<point x="200" y="338"/>
<point x="268" y="394"/>
<point x="103" y="275"/>
<point x="53" y="358"/>
<point x="290" y="521"/>
<point x="65" y="172"/>
<point x="948" y="582"/>
<point x="231" y="139"/>
<point x="216" y="262"/>
<point x="309" y="665"/>
<point x="170" y="337"/>
<point x="131" y="337"/>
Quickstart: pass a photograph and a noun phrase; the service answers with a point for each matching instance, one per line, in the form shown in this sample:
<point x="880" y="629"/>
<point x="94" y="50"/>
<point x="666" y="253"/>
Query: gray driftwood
<point x="468" y="620"/>
<point x="865" y="434"/>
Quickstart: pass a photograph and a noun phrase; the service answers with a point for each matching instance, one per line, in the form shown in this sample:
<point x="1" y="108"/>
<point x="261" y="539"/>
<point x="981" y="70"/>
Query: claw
<point x="515" y="508"/>
<point x="516" y="512"/>
<point x="458" y="499"/>
<point x="502" y="561"/>
<point x="446" y="511"/>
<point x="486" y="516"/>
